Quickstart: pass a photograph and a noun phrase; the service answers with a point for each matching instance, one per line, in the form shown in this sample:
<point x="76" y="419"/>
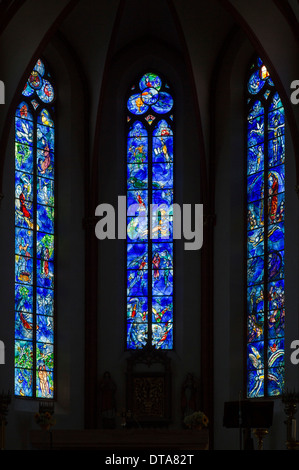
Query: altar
<point x="120" y="440"/>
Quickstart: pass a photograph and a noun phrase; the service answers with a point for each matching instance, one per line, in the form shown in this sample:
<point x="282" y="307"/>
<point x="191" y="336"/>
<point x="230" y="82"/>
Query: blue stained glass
<point x="45" y="246"/>
<point x="162" y="309"/>
<point x="255" y="270"/>
<point x="162" y="228"/>
<point x="163" y="200"/>
<point x="23" y="326"/>
<point x="276" y="294"/>
<point x="165" y="251"/>
<point x="256" y="109"/>
<point x="23" y="269"/>
<point x="45" y="137"/>
<point x="150" y="80"/>
<point x="23" y="382"/>
<point x="276" y="324"/>
<point x="45" y="163"/>
<point x="276" y="151"/>
<point x="35" y="80"/>
<point x="24" y="185"/>
<point x="45" y="118"/>
<point x="275" y="265"/>
<point x="255" y="327"/>
<point x="137" y="203"/>
<point x="137" y="255"/>
<point x="40" y="67"/>
<point x="162" y="281"/>
<point x="276" y="367"/>
<point x="28" y="90"/>
<point x="45" y="218"/>
<point x="45" y="329"/>
<point x="276" y="237"/>
<point x="164" y="103"/>
<point x="163" y="149"/>
<point x="137" y="150"/>
<point x="276" y="381"/>
<point x="276" y="352"/>
<point x="23" y="131"/>
<point x="137" y="132"/>
<point x="276" y="102"/>
<point x="137" y="228"/>
<point x="44" y="301"/>
<point x="255" y="161"/>
<point x="255" y="243"/>
<point x="44" y="356"/>
<point x="137" y="176"/>
<point x="255" y="356"/>
<point x="46" y="92"/>
<point x="162" y="175"/>
<point x="23" y="354"/>
<point x="24" y="242"/>
<point x="137" y="309"/>
<point x="276" y="208"/>
<point x="23" y="111"/>
<point x="163" y="129"/>
<point x="44" y="273"/>
<point x="149" y="212"/>
<point x="149" y="96"/>
<point x="137" y="282"/>
<point x="256" y="83"/>
<point x="137" y="334"/>
<point x="162" y="335"/>
<point x="255" y="299"/>
<point x="24" y="298"/>
<point x="38" y="84"/>
<point x="255" y="214"/>
<point x="255" y="384"/>
<point x="23" y="213"/>
<point x="276" y="123"/>
<point x="276" y="180"/>
<point x="255" y="187"/>
<point x="45" y="191"/>
<point x="136" y="105"/>
<point x="44" y="383"/>
<point x="265" y="296"/>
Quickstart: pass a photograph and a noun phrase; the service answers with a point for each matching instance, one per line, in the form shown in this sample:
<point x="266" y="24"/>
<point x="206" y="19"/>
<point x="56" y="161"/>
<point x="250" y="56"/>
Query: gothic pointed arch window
<point x="34" y="236"/>
<point x="150" y="192"/>
<point x="265" y="235"/>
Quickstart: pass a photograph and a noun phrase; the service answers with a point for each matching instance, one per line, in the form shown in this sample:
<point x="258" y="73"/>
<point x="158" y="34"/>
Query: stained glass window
<point x="150" y="192"/>
<point x="34" y="237"/>
<point x="265" y="235"/>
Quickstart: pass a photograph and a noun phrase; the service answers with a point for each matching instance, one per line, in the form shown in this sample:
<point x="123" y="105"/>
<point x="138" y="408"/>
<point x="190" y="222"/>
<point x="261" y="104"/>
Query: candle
<point x="293" y="430"/>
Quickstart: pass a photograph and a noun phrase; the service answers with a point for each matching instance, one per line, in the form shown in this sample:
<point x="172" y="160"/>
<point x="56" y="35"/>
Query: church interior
<point x="96" y="53"/>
